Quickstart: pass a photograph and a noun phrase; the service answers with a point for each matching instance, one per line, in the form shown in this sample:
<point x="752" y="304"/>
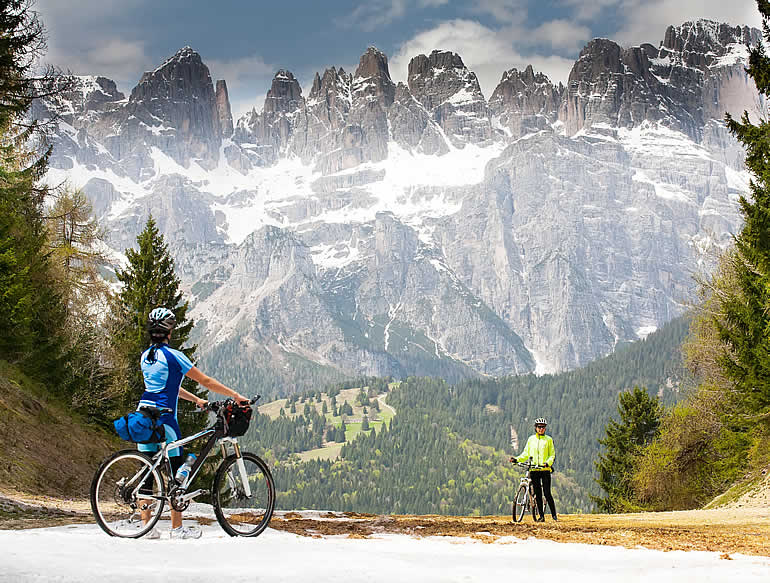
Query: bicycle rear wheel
<point x="124" y="486"/>
<point x="243" y="509"/>
<point x="520" y="503"/>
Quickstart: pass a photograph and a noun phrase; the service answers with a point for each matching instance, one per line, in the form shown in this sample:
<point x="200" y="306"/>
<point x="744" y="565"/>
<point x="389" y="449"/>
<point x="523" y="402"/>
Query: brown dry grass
<point x="43" y="448"/>
<point x="744" y="531"/>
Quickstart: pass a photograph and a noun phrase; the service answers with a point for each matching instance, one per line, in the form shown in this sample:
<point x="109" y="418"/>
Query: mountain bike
<point x="129" y="483"/>
<point x="524" y="499"/>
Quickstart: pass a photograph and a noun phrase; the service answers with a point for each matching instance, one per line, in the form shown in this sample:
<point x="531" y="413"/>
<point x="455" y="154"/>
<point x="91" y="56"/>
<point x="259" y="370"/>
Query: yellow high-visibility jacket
<point x="540" y="449"/>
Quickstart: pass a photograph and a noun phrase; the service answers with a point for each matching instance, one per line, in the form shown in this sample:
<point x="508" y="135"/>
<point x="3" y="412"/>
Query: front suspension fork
<point x="241" y="469"/>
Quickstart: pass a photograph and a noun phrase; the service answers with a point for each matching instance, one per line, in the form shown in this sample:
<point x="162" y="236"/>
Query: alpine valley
<point x="380" y="228"/>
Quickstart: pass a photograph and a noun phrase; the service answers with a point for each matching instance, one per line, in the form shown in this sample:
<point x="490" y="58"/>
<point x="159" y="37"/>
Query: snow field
<point x="85" y="554"/>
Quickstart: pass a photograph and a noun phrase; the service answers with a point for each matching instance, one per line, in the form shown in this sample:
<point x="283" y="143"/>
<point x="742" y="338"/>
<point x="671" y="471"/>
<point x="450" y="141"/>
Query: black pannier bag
<point x="237" y="418"/>
<point x="140" y="427"/>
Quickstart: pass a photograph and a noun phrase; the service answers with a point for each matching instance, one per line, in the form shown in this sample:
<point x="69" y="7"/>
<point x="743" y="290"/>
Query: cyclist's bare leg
<point x="176" y="518"/>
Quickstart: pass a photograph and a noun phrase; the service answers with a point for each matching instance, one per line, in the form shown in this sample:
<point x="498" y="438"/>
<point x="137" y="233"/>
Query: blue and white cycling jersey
<point x="163" y="377"/>
<point x="162" y="380"/>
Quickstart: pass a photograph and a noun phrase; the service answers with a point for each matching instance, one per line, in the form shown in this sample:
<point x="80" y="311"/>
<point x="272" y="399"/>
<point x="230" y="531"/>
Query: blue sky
<point x="245" y="42"/>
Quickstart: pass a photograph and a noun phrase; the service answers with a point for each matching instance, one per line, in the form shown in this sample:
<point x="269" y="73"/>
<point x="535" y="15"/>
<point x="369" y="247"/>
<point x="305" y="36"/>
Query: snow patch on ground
<point x="83" y="553"/>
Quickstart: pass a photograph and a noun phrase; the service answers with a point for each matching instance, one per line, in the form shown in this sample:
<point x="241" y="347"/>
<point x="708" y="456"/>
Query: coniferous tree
<point x="640" y="416"/>
<point x="149" y="281"/>
<point x="74" y="240"/>
<point x="744" y="321"/>
<point x="31" y="307"/>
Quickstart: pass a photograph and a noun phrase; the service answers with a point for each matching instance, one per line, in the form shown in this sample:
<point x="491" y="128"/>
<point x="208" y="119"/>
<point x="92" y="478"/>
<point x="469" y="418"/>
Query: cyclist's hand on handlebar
<point x="512" y="460"/>
<point x="201" y="403"/>
<point x="240" y="399"/>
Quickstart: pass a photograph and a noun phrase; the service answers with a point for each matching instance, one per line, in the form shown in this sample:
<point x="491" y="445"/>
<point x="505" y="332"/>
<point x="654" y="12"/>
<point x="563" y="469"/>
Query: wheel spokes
<point x="126" y="493"/>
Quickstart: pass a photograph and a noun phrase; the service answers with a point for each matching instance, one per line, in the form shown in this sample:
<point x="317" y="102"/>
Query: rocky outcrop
<point x="693" y="77"/>
<point x="224" y="114"/>
<point x="525" y="102"/>
<point x="268" y="134"/>
<point x="451" y="94"/>
<point x="173" y="108"/>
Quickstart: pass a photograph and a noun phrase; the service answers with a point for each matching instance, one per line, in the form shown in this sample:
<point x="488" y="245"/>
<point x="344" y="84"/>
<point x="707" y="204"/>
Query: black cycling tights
<point x="541" y="481"/>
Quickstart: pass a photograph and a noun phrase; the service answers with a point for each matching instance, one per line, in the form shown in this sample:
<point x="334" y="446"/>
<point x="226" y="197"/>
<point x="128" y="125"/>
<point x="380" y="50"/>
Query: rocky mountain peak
<point x="440" y="76"/>
<point x="373" y="63"/>
<point x="704" y="43"/>
<point x="181" y="77"/>
<point x="708" y="36"/>
<point x="333" y="82"/>
<point x="224" y="112"/>
<point x="599" y="57"/>
<point x="284" y="95"/>
<point x="422" y="65"/>
<point x="371" y="81"/>
<point x="450" y="92"/>
<point x="525" y="101"/>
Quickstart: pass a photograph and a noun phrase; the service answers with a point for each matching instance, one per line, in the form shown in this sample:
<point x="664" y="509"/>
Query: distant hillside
<point x="446" y="451"/>
<point x="44" y="448"/>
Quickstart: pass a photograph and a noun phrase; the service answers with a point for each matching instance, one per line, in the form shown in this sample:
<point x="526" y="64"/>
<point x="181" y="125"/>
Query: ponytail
<point x="156" y="343"/>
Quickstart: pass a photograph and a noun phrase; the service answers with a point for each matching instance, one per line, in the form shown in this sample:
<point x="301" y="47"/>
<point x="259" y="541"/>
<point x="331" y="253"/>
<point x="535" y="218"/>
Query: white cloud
<point x="485" y="51"/>
<point x="240" y="72"/>
<point x="242" y="76"/>
<point x="376" y="14"/>
<point x="81" y="38"/>
<point x="561" y="35"/>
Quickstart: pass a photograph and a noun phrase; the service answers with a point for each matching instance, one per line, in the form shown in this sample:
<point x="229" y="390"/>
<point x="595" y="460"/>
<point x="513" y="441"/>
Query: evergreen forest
<point x="446" y="450"/>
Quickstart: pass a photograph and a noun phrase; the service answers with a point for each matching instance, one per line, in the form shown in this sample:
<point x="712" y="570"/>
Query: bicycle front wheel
<point x="520" y="503"/>
<point x="533" y="503"/>
<point x="127" y="495"/>
<point x="243" y="494"/>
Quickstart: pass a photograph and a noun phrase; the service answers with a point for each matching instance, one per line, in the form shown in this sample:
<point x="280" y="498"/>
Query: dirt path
<point x="743" y="530"/>
<point x="381" y="399"/>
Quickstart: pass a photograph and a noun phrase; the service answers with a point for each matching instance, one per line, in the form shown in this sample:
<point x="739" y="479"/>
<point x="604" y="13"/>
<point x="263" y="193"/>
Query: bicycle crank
<point x="180" y="500"/>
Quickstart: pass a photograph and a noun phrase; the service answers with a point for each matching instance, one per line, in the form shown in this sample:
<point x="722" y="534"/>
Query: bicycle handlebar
<point x="529" y="465"/>
<point x="214" y="406"/>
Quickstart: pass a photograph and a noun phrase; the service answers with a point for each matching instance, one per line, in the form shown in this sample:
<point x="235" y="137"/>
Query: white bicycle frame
<point x="162" y="456"/>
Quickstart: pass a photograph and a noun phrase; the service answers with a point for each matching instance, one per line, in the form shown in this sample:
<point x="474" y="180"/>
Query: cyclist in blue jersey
<point x="163" y="369"/>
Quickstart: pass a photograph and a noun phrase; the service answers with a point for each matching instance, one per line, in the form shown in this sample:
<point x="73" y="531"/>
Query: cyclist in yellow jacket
<point x="540" y="448"/>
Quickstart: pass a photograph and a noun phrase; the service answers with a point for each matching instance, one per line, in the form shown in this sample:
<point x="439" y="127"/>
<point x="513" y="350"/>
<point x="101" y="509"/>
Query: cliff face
<point x="416" y="228"/>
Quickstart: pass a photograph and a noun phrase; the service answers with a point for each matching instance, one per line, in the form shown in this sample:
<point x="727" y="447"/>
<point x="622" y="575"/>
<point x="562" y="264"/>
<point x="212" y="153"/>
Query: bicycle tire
<point x="238" y="514"/>
<point x="533" y="503"/>
<point x="116" y="507"/>
<point x="519" y="504"/>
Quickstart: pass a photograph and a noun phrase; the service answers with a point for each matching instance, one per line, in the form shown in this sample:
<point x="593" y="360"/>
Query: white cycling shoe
<point x="154" y="534"/>
<point x="186" y="532"/>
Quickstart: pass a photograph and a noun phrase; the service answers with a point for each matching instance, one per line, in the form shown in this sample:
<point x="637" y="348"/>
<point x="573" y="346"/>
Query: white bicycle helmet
<point x="541" y="421"/>
<point x="160" y="322"/>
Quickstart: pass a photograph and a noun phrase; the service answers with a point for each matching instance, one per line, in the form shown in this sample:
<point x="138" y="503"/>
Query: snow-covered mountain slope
<point x="383" y="228"/>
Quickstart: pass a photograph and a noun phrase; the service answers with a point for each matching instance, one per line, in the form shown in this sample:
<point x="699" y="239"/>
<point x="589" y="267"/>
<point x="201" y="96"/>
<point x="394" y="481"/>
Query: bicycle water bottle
<point x="184" y="469"/>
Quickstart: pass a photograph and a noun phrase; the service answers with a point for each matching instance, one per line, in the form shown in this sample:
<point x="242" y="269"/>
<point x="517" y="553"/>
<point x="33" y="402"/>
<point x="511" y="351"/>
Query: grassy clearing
<point x="352" y="422"/>
<point x="330" y="451"/>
